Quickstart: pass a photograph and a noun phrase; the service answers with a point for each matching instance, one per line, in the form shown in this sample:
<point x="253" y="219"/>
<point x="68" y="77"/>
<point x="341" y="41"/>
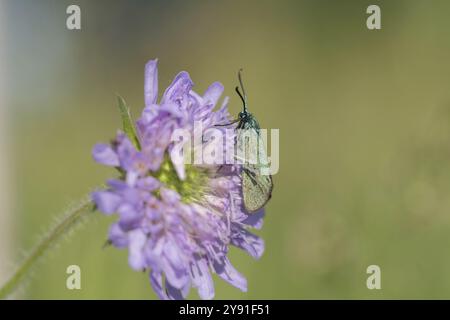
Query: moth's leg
<point x="243" y="161"/>
<point x="227" y="124"/>
<point x="220" y="168"/>
<point x="236" y="157"/>
<point x="251" y="171"/>
<point x="219" y="172"/>
<point x="252" y="175"/>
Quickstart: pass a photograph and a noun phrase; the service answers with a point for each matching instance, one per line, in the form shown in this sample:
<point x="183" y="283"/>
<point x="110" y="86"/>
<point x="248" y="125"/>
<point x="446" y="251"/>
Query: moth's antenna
<point x="242" y="98"/>
<point x="243" y="95"/>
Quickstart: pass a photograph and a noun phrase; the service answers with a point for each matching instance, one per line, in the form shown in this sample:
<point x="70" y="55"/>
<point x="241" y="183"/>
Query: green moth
<point x="257" y="184"/>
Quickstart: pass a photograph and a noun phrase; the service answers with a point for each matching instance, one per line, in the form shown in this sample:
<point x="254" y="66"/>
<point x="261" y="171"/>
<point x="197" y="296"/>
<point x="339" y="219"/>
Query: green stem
<point x="68" y="222"/>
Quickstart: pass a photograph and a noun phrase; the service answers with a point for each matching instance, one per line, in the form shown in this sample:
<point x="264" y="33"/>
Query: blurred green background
<point x="364" y="119"/>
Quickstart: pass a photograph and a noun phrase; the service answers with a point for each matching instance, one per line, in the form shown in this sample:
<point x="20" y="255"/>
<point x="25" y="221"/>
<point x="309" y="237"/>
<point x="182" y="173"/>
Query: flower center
<point x="191" y="188"/>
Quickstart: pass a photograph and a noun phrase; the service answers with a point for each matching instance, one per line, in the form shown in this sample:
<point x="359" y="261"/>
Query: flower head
<point x="177" y="220"/>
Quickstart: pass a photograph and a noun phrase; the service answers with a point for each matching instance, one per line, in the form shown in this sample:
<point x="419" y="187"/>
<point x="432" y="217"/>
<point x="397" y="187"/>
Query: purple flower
<point x="177" y="220"/>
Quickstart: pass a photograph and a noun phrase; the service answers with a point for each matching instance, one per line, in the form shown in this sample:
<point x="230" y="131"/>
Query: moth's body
<point x="247" y="120"/>
<point x="256" y="187"/>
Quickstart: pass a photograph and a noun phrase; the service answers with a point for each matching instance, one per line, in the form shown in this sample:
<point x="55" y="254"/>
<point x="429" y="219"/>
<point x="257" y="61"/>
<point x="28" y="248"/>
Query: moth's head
<point x="244" y="115"/>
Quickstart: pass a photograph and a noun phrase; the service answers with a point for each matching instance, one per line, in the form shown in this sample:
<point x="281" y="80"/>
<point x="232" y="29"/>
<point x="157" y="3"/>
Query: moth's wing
<point x="257" y="184"/>
<point x="256" y="188"/>
<point x="247" y="143"/>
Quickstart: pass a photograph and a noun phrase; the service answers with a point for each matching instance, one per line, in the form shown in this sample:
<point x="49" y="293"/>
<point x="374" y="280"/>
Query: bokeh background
<point x="364" y="119"/>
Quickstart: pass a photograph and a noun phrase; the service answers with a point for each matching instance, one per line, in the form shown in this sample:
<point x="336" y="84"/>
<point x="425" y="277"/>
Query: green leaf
<point x="127" y="122"/>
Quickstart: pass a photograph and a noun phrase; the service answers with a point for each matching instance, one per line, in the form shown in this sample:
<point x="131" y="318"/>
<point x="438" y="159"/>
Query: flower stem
<point x="63" y="226"/>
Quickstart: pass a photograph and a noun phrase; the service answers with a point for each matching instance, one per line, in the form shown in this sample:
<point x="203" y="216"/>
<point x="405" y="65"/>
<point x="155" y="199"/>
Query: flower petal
<point x="117" y="185"/>
<point x="179" y="88"/>
<point x="148" y="183"/>
<point x="148" y="115"/>
<point x="248" y="242"/>
<point x="117" y="236"/>
<point x="104" y="154"/>
<point x="156" y="282"/>
<point x="173" y="265"/>
<point x="202" y="280"/>
<point x="213" y="93"/>
<point x="222" y="115"/>
<point x="228" y="273"/>
<point x="151" y="82"/>
<point x="175" y="293"/>
<point x="136" y="257"/>
<point x="127" y="154"/>
<point x="106" y="201"/>
<point x="129" y="216"/>
<point x="255" y="220"/>
<point x="172" y="109"/>
<point x="170" y="196"/>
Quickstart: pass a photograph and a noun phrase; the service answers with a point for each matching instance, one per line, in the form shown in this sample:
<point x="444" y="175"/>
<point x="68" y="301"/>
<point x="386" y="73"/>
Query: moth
<point x="257" y="183"/>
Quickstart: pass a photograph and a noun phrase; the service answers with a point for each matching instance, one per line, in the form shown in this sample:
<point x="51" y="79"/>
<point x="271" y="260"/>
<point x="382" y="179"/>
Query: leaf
<point x="127" y="122"/>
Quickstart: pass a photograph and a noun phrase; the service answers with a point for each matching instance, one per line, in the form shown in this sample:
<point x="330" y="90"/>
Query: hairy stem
<point x="66" y="224"/>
